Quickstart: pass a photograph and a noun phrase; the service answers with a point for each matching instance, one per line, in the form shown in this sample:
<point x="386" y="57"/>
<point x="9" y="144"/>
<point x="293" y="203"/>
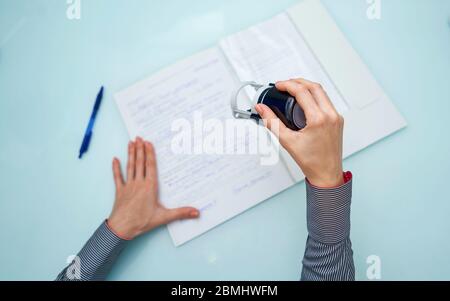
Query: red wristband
<point x="347" y="176"/>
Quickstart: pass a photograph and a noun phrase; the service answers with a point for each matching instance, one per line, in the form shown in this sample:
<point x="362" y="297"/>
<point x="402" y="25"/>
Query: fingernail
<point x="194" y="213"/>
<point x="259" y="108"/>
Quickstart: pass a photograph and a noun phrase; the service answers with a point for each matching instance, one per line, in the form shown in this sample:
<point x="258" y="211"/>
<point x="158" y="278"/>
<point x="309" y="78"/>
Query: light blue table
<point x="51" y="202"/>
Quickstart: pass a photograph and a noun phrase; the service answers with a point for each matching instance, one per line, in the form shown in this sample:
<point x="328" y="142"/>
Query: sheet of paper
<point x="220" y="185"/>
<point x="274" y="50"/>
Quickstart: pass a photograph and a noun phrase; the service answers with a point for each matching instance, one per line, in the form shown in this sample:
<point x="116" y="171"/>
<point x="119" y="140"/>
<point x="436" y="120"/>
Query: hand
<point x="317" y="148"/>
<point x="137" y="208"/>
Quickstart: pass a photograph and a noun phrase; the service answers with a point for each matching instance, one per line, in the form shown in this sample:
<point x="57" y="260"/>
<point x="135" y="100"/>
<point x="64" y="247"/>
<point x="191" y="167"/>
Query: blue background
<point x="50" y="202"/>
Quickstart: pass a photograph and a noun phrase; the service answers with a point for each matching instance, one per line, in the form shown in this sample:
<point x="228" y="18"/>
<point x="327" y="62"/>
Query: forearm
<point x="328" y="255"/>
<point x="96" y="258"/>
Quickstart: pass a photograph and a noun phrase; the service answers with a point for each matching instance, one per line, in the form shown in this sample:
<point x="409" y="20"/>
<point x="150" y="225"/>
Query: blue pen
<point x="88" y="134"/>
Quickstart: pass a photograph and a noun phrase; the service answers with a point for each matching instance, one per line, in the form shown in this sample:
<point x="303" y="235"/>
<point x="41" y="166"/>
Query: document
<point x="219" y="185"/>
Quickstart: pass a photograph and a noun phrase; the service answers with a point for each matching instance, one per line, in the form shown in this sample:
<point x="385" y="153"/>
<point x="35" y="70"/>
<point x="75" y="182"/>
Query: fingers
<point x="272" y="122"/>
<point x="117" y="173"/>
<point x="131" y="161"/>
<point x="140" y="159"/>
<point x="302" y="95"/>
<point x="319" y="94"/>
<point x="171" y="215"/>
<point x="150" y="163"/>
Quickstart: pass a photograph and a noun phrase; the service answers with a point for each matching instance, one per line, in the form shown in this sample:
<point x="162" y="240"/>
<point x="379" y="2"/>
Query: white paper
<point x="221" y="186"/>
<point x="274" y="50"/>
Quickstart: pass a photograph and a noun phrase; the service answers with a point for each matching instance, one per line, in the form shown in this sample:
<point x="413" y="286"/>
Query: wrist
<point x="328" y="180"/>
<point x="120" y="229"/>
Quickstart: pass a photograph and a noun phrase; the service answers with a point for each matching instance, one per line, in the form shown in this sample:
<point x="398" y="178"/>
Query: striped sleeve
<point x="96" y="258"/>
<point x="328" y="255"/>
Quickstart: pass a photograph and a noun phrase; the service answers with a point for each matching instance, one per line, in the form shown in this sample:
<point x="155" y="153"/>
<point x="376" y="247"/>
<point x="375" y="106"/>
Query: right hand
<point x="317" y="148"/>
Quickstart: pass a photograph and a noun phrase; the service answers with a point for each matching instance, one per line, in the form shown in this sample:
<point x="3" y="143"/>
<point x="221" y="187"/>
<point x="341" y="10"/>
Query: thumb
<point x="171" y="215"/>
<point x="272" y="122"/>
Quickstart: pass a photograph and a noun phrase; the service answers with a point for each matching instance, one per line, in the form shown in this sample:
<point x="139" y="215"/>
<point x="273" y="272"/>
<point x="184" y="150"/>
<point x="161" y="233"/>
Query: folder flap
<point x="343" y="65"/>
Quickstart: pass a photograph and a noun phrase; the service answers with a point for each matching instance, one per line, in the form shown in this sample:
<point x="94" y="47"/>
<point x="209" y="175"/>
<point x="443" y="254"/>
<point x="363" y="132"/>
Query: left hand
<point x="137" y="208"/>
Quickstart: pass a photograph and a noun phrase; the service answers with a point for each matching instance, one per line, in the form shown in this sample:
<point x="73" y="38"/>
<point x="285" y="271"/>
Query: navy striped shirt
<point x="328" y="255"/>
